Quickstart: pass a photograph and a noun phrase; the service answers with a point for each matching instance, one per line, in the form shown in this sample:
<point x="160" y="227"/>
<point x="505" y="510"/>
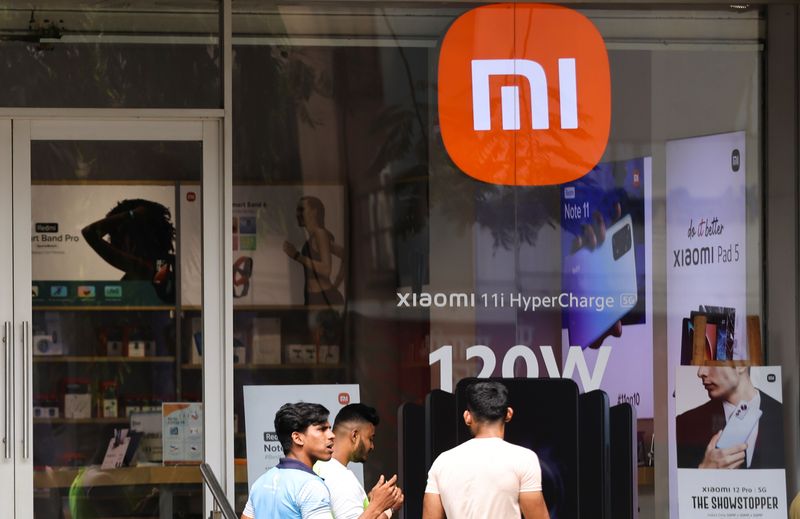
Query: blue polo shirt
<point x="290" y="490"/>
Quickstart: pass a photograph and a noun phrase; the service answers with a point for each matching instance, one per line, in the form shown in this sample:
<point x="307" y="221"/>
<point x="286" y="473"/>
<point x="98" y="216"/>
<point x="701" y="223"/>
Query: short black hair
<point x="356" y="413"/>
<point x="487" y="400"/>
<point x="297" y="417"/>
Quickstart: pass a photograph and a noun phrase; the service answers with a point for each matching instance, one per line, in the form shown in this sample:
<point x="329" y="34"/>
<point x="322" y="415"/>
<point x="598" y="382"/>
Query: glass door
<point x="109" y="320"/>
<point x="6" y="324"/>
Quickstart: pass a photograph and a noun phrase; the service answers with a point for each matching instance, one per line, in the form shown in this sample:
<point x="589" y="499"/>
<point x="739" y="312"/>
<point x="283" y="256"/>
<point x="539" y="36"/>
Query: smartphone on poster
<point x="739" y="427"/>
<point x="600" y="284"/>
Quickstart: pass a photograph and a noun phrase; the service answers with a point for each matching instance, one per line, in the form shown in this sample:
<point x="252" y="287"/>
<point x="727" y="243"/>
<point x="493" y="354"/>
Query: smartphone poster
<point x="606" y="220"/>
<point x="262" y="402"/>
<point x="706" y="252"/>
<point x="729" y="442"/>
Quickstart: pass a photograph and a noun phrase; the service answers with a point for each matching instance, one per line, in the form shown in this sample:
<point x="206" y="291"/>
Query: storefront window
<point x="364" y="255"/>
<point x="111" y="56"/>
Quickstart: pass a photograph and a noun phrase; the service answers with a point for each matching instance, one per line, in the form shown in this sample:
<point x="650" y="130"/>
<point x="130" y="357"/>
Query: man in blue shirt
<point x="291" y="490"/>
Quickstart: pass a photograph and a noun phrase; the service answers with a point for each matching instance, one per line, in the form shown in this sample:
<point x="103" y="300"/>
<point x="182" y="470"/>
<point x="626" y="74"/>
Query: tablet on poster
<point x="736" y="412"/>
<point x="262" y="402"/>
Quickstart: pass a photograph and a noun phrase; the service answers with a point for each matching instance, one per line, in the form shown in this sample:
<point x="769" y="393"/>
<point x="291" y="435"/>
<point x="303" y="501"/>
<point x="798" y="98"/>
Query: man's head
<point x="303" y="430"/>
<point x="355" y="431"/>
<point x="487" y="403"/>
<point x="731" y="384"/>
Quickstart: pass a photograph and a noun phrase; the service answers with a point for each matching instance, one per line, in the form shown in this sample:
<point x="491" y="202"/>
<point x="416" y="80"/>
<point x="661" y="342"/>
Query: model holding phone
<point x="739" y="427"/>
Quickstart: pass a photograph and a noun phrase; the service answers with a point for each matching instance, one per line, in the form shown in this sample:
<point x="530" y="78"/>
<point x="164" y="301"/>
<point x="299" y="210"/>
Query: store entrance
<point x="104" y="409"/>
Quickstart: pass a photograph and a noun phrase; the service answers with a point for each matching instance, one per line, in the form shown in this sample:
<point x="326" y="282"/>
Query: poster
<point x="262" y="402"/>
<point x="729" y="442"/>
<point x="101" y="245"/>
<point x="182" y="433"/>
<point x="706" y="259"/>
<point x="278" y="233"/>
<point x="616" y="270"/>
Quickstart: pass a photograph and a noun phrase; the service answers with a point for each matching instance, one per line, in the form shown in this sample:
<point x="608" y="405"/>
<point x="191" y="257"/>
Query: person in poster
<point x="316" y="255"/>
<point x="140" y="243"/>
<point x="736" y="409"/>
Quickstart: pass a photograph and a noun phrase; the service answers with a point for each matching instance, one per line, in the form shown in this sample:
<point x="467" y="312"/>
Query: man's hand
<point x="730" y="458"/>
<point x="383" y="496"/>
<point x="398" y="502"/>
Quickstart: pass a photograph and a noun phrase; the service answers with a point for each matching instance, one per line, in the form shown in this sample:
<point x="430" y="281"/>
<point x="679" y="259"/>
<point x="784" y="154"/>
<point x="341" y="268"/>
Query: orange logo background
<point x="540" y="33"/>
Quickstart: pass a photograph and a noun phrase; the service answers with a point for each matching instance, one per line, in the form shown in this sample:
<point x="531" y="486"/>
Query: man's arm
<point x="432" y="507"/>
<point x="248" y="512"/>
<point x="532" y="505"/>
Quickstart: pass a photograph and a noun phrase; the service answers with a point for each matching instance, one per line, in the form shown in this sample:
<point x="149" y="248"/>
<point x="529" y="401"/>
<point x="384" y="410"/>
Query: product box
<point x="136" y="348"/>
<point x="328" y="354"/>
<point x="301" y="353"/>
<point x="77" y="405"/>
<point x="47" y="344"/>
<point x="110" y="409"/>
<point x="114" y="348"/>
<point x="45" y="412"/>
<point x="266" y="341"/>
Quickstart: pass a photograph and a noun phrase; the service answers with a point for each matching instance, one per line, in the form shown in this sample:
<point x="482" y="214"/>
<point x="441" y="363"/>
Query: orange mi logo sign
<point x="524" y="94"/>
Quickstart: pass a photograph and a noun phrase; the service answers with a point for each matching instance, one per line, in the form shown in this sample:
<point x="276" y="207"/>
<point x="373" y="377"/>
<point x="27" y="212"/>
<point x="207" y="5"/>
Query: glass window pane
<point x="332" y="99"/>
<point x="103" y="56"/>
<point x="117" y="345"/>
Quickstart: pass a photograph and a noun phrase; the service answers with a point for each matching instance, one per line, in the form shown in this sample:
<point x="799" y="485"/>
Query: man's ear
<point x="354" y="434"/>
<point x="467" y="418"/>
<point x="509" y="414"/>
<point x="298" y="438"/>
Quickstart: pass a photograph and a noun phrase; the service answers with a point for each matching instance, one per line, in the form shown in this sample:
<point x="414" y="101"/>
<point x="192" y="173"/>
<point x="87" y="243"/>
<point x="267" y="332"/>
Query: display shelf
<point x="80" y="308"/>
<point x="296" y="308"/>
<point x="82" y="421"/>
<point x="64" y="477"/>
<point x="47" y="359"/>
<point x="251" y="367"/>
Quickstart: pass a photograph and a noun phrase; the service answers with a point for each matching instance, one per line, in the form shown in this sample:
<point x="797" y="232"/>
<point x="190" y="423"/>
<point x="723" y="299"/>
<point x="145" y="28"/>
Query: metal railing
<point x="222" y="507"/>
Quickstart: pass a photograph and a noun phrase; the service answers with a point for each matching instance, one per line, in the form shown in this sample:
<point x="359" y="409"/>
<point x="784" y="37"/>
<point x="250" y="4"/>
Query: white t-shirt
<point x="483" y="478"/>
<point x="348" y="498"/>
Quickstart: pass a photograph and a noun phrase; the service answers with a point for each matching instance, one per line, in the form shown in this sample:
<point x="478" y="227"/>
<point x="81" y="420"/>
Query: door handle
<point x="8" y="345"/>
<point x="26" y="388"/>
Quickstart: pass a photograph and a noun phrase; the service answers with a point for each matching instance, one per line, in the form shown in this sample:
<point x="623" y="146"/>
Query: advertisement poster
<point x="706" y="260"/>
<point x="288" y="245"/>
<point x="606" y="250"/>
<point x="182" y="433"/>
<point x="730" y="418"/>
<point x="262" y="402"/>
<point x="101" y="245"/>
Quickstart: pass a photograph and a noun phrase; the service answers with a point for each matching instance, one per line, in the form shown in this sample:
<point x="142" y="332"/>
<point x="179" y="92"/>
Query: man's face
<point x="366" y="442"/>
<point x="719" y="381"/>
<point x="318" y="441"/>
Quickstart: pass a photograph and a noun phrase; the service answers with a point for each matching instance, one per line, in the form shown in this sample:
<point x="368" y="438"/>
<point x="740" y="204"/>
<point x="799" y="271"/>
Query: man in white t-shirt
<point x="485" y="477"/>
<point x="354" y="431"/>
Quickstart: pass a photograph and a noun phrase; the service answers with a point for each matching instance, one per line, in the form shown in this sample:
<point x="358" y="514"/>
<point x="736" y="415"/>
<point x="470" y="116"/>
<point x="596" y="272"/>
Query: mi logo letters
<point x="524" y="94"/>
<point x="482" y="69"/>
